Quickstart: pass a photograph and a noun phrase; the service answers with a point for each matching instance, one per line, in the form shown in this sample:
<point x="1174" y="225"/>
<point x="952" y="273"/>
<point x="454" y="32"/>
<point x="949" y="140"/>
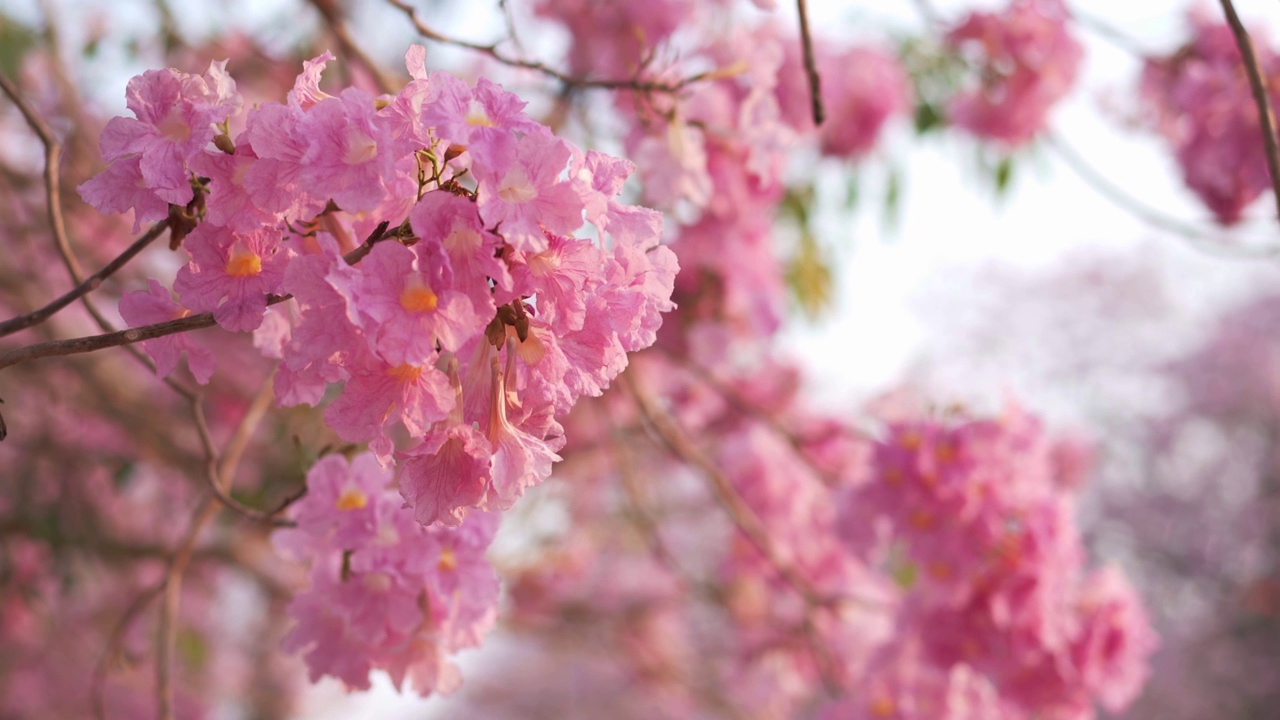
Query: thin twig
<point x="810" y="65"/>
<point x="167" y="631"/>
<point x="748" y="523"/>
<point x="220" y="471"/>
<point x="92" y="343"/>
<point x="53" y="196"/>
<point x="91" y="283"/>
<point x="52" y="183"/>
<point x="743" y="516"/>
<point x="98" y="683"/>
<point x="493" y="52"/>
<point x="329" y="10"/>
<point x="1258" y="83"/>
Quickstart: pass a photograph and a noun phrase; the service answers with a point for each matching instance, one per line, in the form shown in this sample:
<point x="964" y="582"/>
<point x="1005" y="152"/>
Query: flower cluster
<point x="981" y="532"/>
<point x="465" y="323"/>
<point x="385" y="591"/>
<point x="1024" y="61"/>
<point x="1199" y="99"/>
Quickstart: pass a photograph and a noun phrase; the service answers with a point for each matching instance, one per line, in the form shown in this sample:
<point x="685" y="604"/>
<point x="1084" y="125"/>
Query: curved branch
<point x="92" y="343"/>
<point x="493" y="52"/>
<point x="1197" y="236"/>
<point x="1258" y="83"/>
<point x="52" y="183"/>
<point x="91" y="283"/>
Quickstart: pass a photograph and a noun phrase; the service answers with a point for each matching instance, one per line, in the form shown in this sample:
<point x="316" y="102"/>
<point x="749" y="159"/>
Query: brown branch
<point x="749" y="524"/>
<point x="493" y="52"/>
<point x="1258" y="83"/>
<point x="810" y="65"/>
<point x="92" y="343"/>
<point x="52" y="183"/>
<point x="97" y="685"/>
<point x="53" y="196"/>
<point x="167" y="630"/>
<point x="90" y="284"/>
<point x="220" y="471"/>
<point x="329" y="10"/>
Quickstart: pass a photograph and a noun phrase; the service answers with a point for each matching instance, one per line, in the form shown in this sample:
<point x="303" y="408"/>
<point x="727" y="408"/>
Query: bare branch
<point x="810" y="66"/>
<point x="329" y="10"/>
<point x="220" y="471"/>
<point x="52" y="183"/>
<point x="89" y="284"/>
<point x="1258" y="83"/>
<point x="92" y="343"/>
<point x="1201" y="238"/>
<point x="167" y="631"/>
<point x="568" y="80"/>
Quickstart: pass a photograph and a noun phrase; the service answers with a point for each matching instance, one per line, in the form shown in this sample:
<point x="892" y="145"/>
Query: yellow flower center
<point x="477" y="117"/>
<point x="406" y="373"/>
<point x="418" y="298"/>
<point x="244" y="263"/>
<point x="448" y="560"/>
<point x="351" y="499"/>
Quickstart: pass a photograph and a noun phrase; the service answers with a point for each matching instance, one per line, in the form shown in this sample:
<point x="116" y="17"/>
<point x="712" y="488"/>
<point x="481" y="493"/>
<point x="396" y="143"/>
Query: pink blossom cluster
<point x="977" y="522"/>
<point x="465" y="323"/>
<point x="1199" y="99"/>
<point x="1023" y="61"/>
<point x="385" y="592"/>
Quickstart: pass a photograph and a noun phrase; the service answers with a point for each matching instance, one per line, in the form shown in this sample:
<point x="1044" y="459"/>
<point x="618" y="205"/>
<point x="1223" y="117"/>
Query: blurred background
<point x="1076" y="274"/>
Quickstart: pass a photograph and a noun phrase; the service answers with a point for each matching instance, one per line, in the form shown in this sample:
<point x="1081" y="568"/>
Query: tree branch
<point x="329" y="10"/>
<point x="1200" y="238"/>
<point x="92" y="343"/>
<point x="167" y="631"/>
<point x="493" y="52"/>
<point x="220" y="471"/>
<point x="810" y="66"/>
<point x="1258" y="83"/>
<point x="91" y="283"/>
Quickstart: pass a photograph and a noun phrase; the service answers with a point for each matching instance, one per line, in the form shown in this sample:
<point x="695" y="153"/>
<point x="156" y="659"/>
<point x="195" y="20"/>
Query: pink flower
<point x="230" y="202"/>
<point x="862" y="89"/>
<point x="1200" y="101"/>
<point x="378" y="395"/>
<point x="522" y="193"/>
<point x="444" y="219"/>
<point x="1027" y="62"/>
<point x="447" y="474"/>
<point x="404" y="300"/>
<point x="174" y="118"/>
<point x="231" y="274"/>
<point x="386" y="593"/>
<point x="348" y="157"/>
<point x="121" y="187"/>
<point x="157" y="305"/>
<point x="1115" y="642"/>
<point x="520" y="460"/>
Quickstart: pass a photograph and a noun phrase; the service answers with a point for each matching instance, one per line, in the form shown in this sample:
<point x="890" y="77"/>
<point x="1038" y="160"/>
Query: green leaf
<point x="1004" y="173"/>
<point x="928" y="117"/>
<point x="893" y="197"/>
